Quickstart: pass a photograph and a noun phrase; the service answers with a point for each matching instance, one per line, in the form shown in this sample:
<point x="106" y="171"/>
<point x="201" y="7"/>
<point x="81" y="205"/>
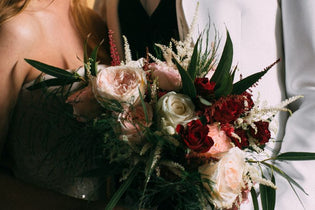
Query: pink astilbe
<point x="113" y="50"/>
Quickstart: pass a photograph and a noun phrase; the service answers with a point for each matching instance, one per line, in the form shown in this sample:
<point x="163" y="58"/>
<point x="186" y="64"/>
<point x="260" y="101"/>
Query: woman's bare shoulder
<point x="17" y="37"/>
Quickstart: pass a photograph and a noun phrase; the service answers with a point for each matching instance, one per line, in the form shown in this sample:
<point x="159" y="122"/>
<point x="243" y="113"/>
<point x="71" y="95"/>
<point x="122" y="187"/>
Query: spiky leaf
<point x="296" y="156"/>
<point x="122" y="189"/>
<point x="52" y="82"/>
<point x="192" y="67"/>
<point x="254" y="198"/>
<point x="187" y="82"/>
<point x="284" y="175"/>
<point x="268" y="196"/>
<point x="51" y="70"/>
<point x="225" y="62"/>
<point x="242" y="85"/>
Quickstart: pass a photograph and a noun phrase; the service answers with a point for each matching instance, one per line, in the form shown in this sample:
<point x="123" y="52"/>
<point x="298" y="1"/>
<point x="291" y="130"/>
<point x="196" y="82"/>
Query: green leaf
<point x="242" y="85"/>
<point x="296" y="156"/>
<point x="225" y="87"/>
<point x="52" y="82"/>
<point x="268" y="196"/>
<point x="254" y="198"/>
<point x="284" y="175"/>
<point x="122" y="189"/>
<point x="93" y="60"/>
<point x="192" y="67"/>
<point x="144" y="107"/>
<point x="51" y="70"/>
<point x="188" y="84"/>
<point x="225" y="62"/>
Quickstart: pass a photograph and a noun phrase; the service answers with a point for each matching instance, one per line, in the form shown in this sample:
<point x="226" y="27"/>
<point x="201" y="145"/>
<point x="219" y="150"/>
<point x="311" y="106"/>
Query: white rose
<point x="121" y="83"/>
<point x="227" y="176"/>
<point x="174" y="109"/>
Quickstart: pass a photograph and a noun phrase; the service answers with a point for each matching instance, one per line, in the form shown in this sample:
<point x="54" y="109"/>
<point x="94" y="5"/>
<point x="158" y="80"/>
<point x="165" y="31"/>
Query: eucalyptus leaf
<point x="51" y="70"/>
<point x="295" y="156"/>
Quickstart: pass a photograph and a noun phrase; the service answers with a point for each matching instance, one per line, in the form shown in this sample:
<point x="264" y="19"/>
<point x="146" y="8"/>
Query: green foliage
<point x="284" y="175"/>
<point x="268" y="195"/>
<point x="254" y="198"/>
<point x="116" y="197"/>
<point x="187" y="81"/>
<point x="222" y="76"/>
<point x="295" y="156"/>
<point x="63" y="77"/>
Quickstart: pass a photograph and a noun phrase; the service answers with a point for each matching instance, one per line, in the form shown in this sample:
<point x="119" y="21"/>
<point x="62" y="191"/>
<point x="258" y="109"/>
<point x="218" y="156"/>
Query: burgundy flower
<point x="243" y="142"/>
<point x="248" y="101"/>
<point x="195" y="136"/>
<point x="227" y="109"/>
<point x="227" y="128"/>
<point x="240" y="143"/>
<point x="262" y="134"/>
<point x="204" y="87"/>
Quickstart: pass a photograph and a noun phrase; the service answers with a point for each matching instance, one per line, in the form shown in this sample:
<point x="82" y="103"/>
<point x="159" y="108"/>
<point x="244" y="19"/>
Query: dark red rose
<point x="262" y="134"/>
<point x="195" y="136"/>
<point x="204" y="87"/>
<point x="243" y="142"/>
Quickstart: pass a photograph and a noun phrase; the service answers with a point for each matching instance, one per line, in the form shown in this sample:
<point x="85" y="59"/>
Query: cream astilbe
<point x="184" y="48"/>
<point x="257" y="113"/>
<point x="128" y="57"/>
<point x="254" y="176"/>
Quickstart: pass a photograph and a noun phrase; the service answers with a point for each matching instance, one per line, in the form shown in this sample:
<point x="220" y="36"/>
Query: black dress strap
<point x="142" y="30"/>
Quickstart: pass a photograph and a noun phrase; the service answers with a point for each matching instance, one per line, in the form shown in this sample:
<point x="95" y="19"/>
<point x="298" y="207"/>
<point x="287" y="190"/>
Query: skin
<point x="36" y="33"/>
<point x="150" y="5"/>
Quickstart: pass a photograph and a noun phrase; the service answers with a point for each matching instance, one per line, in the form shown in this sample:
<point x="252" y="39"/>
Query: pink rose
<point x="85" y="106"/>
<point x="227" y="175"/>
<point x="222" y="143"/>
<point x="121" y="83"/>
<point x="133" y="122"/>
<point x="168" y="77"/>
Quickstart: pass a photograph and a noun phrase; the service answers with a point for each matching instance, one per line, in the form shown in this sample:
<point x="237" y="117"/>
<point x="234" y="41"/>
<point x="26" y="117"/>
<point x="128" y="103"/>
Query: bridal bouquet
<point x="177" y="131"/>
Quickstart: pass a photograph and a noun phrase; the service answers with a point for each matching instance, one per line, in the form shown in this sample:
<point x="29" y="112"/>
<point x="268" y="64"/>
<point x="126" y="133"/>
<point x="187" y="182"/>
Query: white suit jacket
<point x="261" y="32"/>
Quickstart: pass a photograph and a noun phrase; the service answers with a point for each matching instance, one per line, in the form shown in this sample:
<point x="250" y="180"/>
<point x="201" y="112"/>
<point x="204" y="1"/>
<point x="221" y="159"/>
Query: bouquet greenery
<point x="178" y="132"/>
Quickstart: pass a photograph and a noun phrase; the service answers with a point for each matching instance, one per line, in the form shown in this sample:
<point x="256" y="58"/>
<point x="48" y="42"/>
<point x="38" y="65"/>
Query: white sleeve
<point x="299" y="48"/>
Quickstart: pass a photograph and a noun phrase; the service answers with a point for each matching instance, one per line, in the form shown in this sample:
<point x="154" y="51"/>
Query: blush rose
<point x="168" y="77"/>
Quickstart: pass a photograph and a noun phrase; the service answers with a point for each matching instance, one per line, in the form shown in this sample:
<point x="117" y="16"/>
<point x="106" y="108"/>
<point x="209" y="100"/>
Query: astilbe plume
<point x="113" y="50"/>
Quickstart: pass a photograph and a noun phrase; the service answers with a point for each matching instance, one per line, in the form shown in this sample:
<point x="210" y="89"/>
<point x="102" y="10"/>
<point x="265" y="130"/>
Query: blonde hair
<point x="86" y="21"/>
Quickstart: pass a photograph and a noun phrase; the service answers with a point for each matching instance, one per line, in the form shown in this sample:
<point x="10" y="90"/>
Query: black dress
<point x="142" y="30"/>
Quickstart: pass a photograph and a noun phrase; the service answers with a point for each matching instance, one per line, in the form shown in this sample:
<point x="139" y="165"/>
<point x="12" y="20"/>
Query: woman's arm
<point x="15" y="44"/>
